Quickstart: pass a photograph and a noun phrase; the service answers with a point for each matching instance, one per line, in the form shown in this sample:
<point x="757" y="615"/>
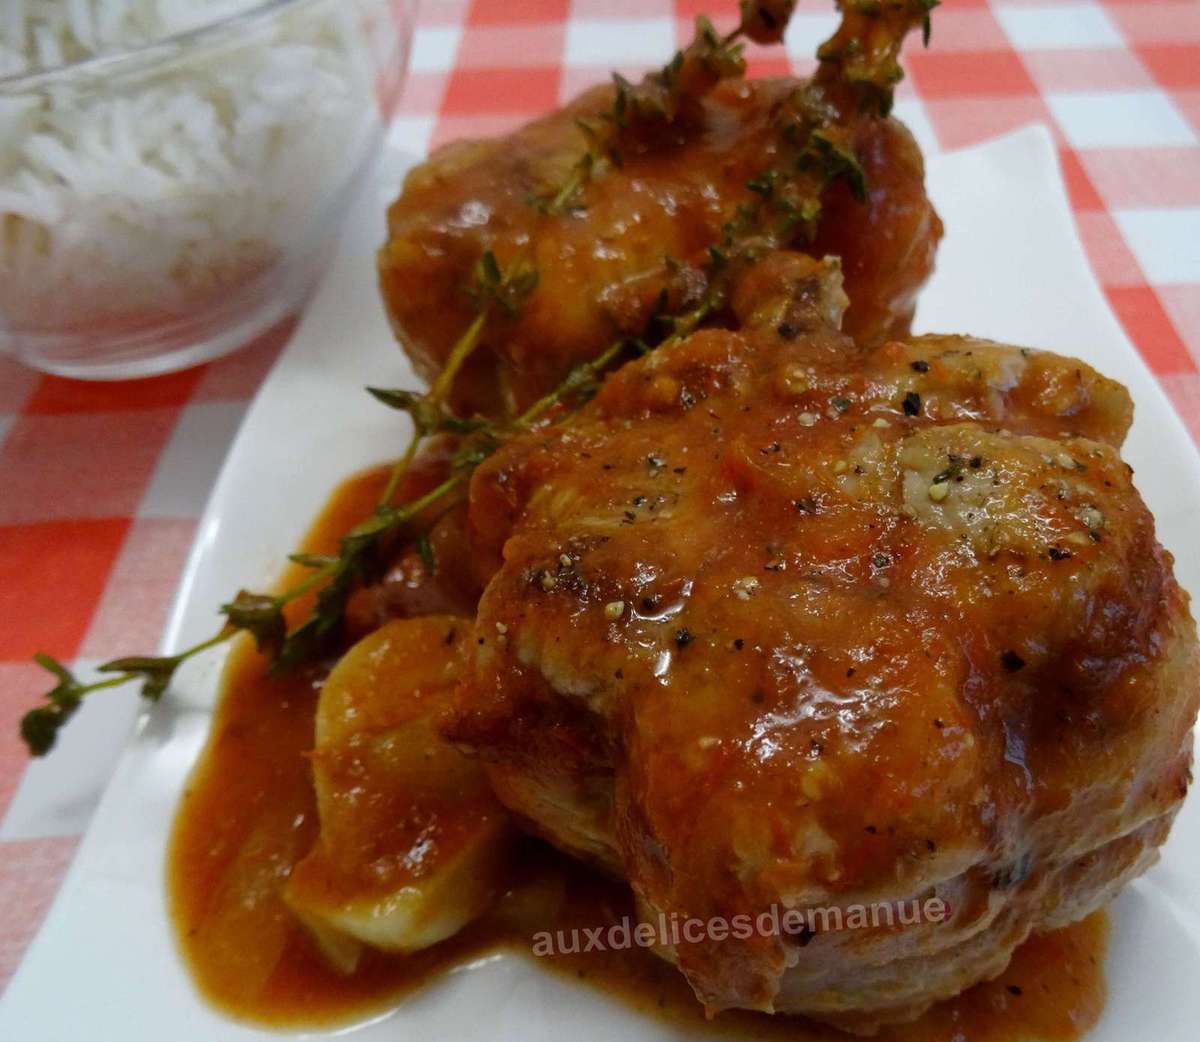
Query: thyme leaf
<point x="425" y="414"/>
<point x="662" y="97"/>
<point x="428" y="558"/>
<point x="313" y="560"/>
<point x="837" y="158"/>
<point x="259" y="615"/>
<point x="40" y="726"/>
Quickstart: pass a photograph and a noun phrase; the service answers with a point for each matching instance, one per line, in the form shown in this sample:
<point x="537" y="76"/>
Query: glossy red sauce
<point x="248" y="815"/>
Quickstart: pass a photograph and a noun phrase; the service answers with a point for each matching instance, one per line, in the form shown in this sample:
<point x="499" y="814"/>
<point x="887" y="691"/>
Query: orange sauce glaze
<point x="248" y="815"/>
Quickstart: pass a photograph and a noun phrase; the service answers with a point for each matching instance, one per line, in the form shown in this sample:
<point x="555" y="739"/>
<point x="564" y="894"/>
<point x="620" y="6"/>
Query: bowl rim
<point x="136" y="58"/>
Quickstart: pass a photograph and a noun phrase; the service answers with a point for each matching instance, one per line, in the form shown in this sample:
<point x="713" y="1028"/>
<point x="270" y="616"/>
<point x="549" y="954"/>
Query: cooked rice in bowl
<point x="142" y="194"/>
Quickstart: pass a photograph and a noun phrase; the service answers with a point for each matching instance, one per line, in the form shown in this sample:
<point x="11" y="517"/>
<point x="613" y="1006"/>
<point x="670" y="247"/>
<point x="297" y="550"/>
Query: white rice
<point x="142" y="199"/>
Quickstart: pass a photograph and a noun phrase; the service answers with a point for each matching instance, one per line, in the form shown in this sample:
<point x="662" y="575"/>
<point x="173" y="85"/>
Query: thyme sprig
<point x="40" y="726"/>
<point x="334" y="577"/>
<point x="493" y="292"/>
<point x="863" y="55"/>
<point x="661" y="97"/>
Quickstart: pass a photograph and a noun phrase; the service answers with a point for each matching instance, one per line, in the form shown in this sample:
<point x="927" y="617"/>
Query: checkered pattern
<point x="101" y="485"/>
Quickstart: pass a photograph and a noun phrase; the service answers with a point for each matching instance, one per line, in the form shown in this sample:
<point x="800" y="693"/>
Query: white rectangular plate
<point x="105" y="965"/>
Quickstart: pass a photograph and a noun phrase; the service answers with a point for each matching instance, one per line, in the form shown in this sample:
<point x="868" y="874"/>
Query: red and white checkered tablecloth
<point x="101" y="485"/>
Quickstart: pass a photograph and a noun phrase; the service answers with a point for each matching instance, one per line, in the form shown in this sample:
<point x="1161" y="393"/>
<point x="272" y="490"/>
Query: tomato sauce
<point x="248" y="815"/>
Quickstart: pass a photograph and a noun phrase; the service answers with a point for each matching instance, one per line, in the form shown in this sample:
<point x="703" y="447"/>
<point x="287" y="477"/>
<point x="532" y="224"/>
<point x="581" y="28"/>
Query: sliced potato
<point x="413" y="844"/>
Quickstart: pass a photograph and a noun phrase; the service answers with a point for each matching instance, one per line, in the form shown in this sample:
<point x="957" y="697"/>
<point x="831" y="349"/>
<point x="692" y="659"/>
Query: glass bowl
<point x="162" y="205"/>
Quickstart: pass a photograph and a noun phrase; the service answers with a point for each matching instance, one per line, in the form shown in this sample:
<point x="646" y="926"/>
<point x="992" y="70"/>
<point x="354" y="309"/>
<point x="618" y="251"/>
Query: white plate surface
<point x="104" y="966"/>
